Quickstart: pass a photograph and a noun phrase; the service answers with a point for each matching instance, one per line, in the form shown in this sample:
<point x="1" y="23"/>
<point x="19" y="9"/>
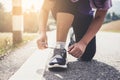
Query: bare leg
<point x="64" y="21"/>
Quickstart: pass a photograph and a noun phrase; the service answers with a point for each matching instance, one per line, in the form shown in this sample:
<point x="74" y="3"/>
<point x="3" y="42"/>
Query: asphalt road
<point x="104" y="66"/>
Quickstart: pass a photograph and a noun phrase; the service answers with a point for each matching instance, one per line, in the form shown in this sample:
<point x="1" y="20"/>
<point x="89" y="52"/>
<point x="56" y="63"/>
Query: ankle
<point x="60" y="45"/>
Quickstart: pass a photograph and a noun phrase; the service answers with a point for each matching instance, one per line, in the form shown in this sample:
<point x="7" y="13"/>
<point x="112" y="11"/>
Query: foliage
<point x="111" y="17"/>
<point x="5" y="20"/>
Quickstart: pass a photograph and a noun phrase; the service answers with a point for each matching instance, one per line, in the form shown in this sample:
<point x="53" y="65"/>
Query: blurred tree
<point x="114" y="16"/>
<point x="1" y="7"/>
<point x="1" y="16"/>
<point x="5" y="20"/>
<point x="108" y="16"/>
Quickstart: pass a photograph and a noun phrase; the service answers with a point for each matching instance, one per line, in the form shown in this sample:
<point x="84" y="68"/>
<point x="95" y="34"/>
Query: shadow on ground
<point x="79" y="70"/>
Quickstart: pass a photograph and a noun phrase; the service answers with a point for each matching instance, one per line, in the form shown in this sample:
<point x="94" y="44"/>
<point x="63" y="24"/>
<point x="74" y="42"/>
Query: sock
<point x="60" y="45"/>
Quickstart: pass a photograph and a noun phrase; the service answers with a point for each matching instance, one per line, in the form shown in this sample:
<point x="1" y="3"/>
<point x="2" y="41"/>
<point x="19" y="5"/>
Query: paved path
<point x="34" y="67"/>
<point x="105" y="66"/>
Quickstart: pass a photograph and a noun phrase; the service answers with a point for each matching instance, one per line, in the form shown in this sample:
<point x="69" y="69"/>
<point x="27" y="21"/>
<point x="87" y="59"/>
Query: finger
<point x="40" y="42"/>
<point x="42" y="45"/>
<point x="73" y="51"/>
<point x="45" y="45"/>
<point x="76" y="52"/>
<point x="78" y="55"/>
<point x="70" y="48"/>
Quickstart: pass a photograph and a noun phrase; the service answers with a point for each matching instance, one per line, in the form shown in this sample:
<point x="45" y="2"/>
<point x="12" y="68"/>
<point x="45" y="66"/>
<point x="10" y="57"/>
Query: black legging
<point x="80" y="25"/>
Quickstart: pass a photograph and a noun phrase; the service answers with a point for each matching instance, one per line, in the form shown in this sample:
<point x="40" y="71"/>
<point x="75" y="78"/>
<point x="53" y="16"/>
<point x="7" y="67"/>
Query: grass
<point x="113" y="26"/>
<point x="28" y="37"/>
<point x="6" y="41"/>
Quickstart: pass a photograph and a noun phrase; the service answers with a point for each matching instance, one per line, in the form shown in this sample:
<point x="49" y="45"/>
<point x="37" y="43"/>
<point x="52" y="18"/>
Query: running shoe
<point x="58" y="60"/>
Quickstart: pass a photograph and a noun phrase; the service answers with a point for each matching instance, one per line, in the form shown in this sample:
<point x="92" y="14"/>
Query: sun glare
<point x="26" y="5"/>
<point x="31" y="5"/>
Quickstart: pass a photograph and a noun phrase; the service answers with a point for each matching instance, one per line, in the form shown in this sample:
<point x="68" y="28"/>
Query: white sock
<point x="60" y="45"/>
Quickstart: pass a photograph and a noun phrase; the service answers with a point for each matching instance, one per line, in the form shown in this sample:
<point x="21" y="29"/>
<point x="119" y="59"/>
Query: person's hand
<point x="77" y="49"/>
<point x="42" y="41"/>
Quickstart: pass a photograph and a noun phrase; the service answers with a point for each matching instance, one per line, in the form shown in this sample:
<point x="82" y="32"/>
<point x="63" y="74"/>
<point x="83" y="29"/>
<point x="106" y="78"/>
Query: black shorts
<point x="75" y="7"/>
<point x="66" y="6"/>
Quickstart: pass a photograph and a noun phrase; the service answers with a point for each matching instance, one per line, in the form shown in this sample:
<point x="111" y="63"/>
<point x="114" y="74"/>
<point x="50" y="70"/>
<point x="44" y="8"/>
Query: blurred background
<point x="31" y="9"/>
<point x="31" y="14"/>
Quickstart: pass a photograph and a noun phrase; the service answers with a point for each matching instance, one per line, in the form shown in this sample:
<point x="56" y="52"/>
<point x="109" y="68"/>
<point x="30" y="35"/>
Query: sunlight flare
<point x="31" y="5"/>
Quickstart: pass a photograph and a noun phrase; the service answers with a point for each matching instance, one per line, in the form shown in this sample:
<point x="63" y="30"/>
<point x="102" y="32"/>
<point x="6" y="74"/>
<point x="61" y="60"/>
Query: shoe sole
<point x="57" y="66"/>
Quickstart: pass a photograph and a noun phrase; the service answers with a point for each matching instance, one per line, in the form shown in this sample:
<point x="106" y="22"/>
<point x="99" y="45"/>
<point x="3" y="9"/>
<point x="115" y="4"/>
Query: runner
<point x="76" y="13"/>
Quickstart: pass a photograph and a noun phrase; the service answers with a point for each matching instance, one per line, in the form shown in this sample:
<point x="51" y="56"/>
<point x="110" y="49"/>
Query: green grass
<point x="28" y="37"/>
<point x="7" y="44"/>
